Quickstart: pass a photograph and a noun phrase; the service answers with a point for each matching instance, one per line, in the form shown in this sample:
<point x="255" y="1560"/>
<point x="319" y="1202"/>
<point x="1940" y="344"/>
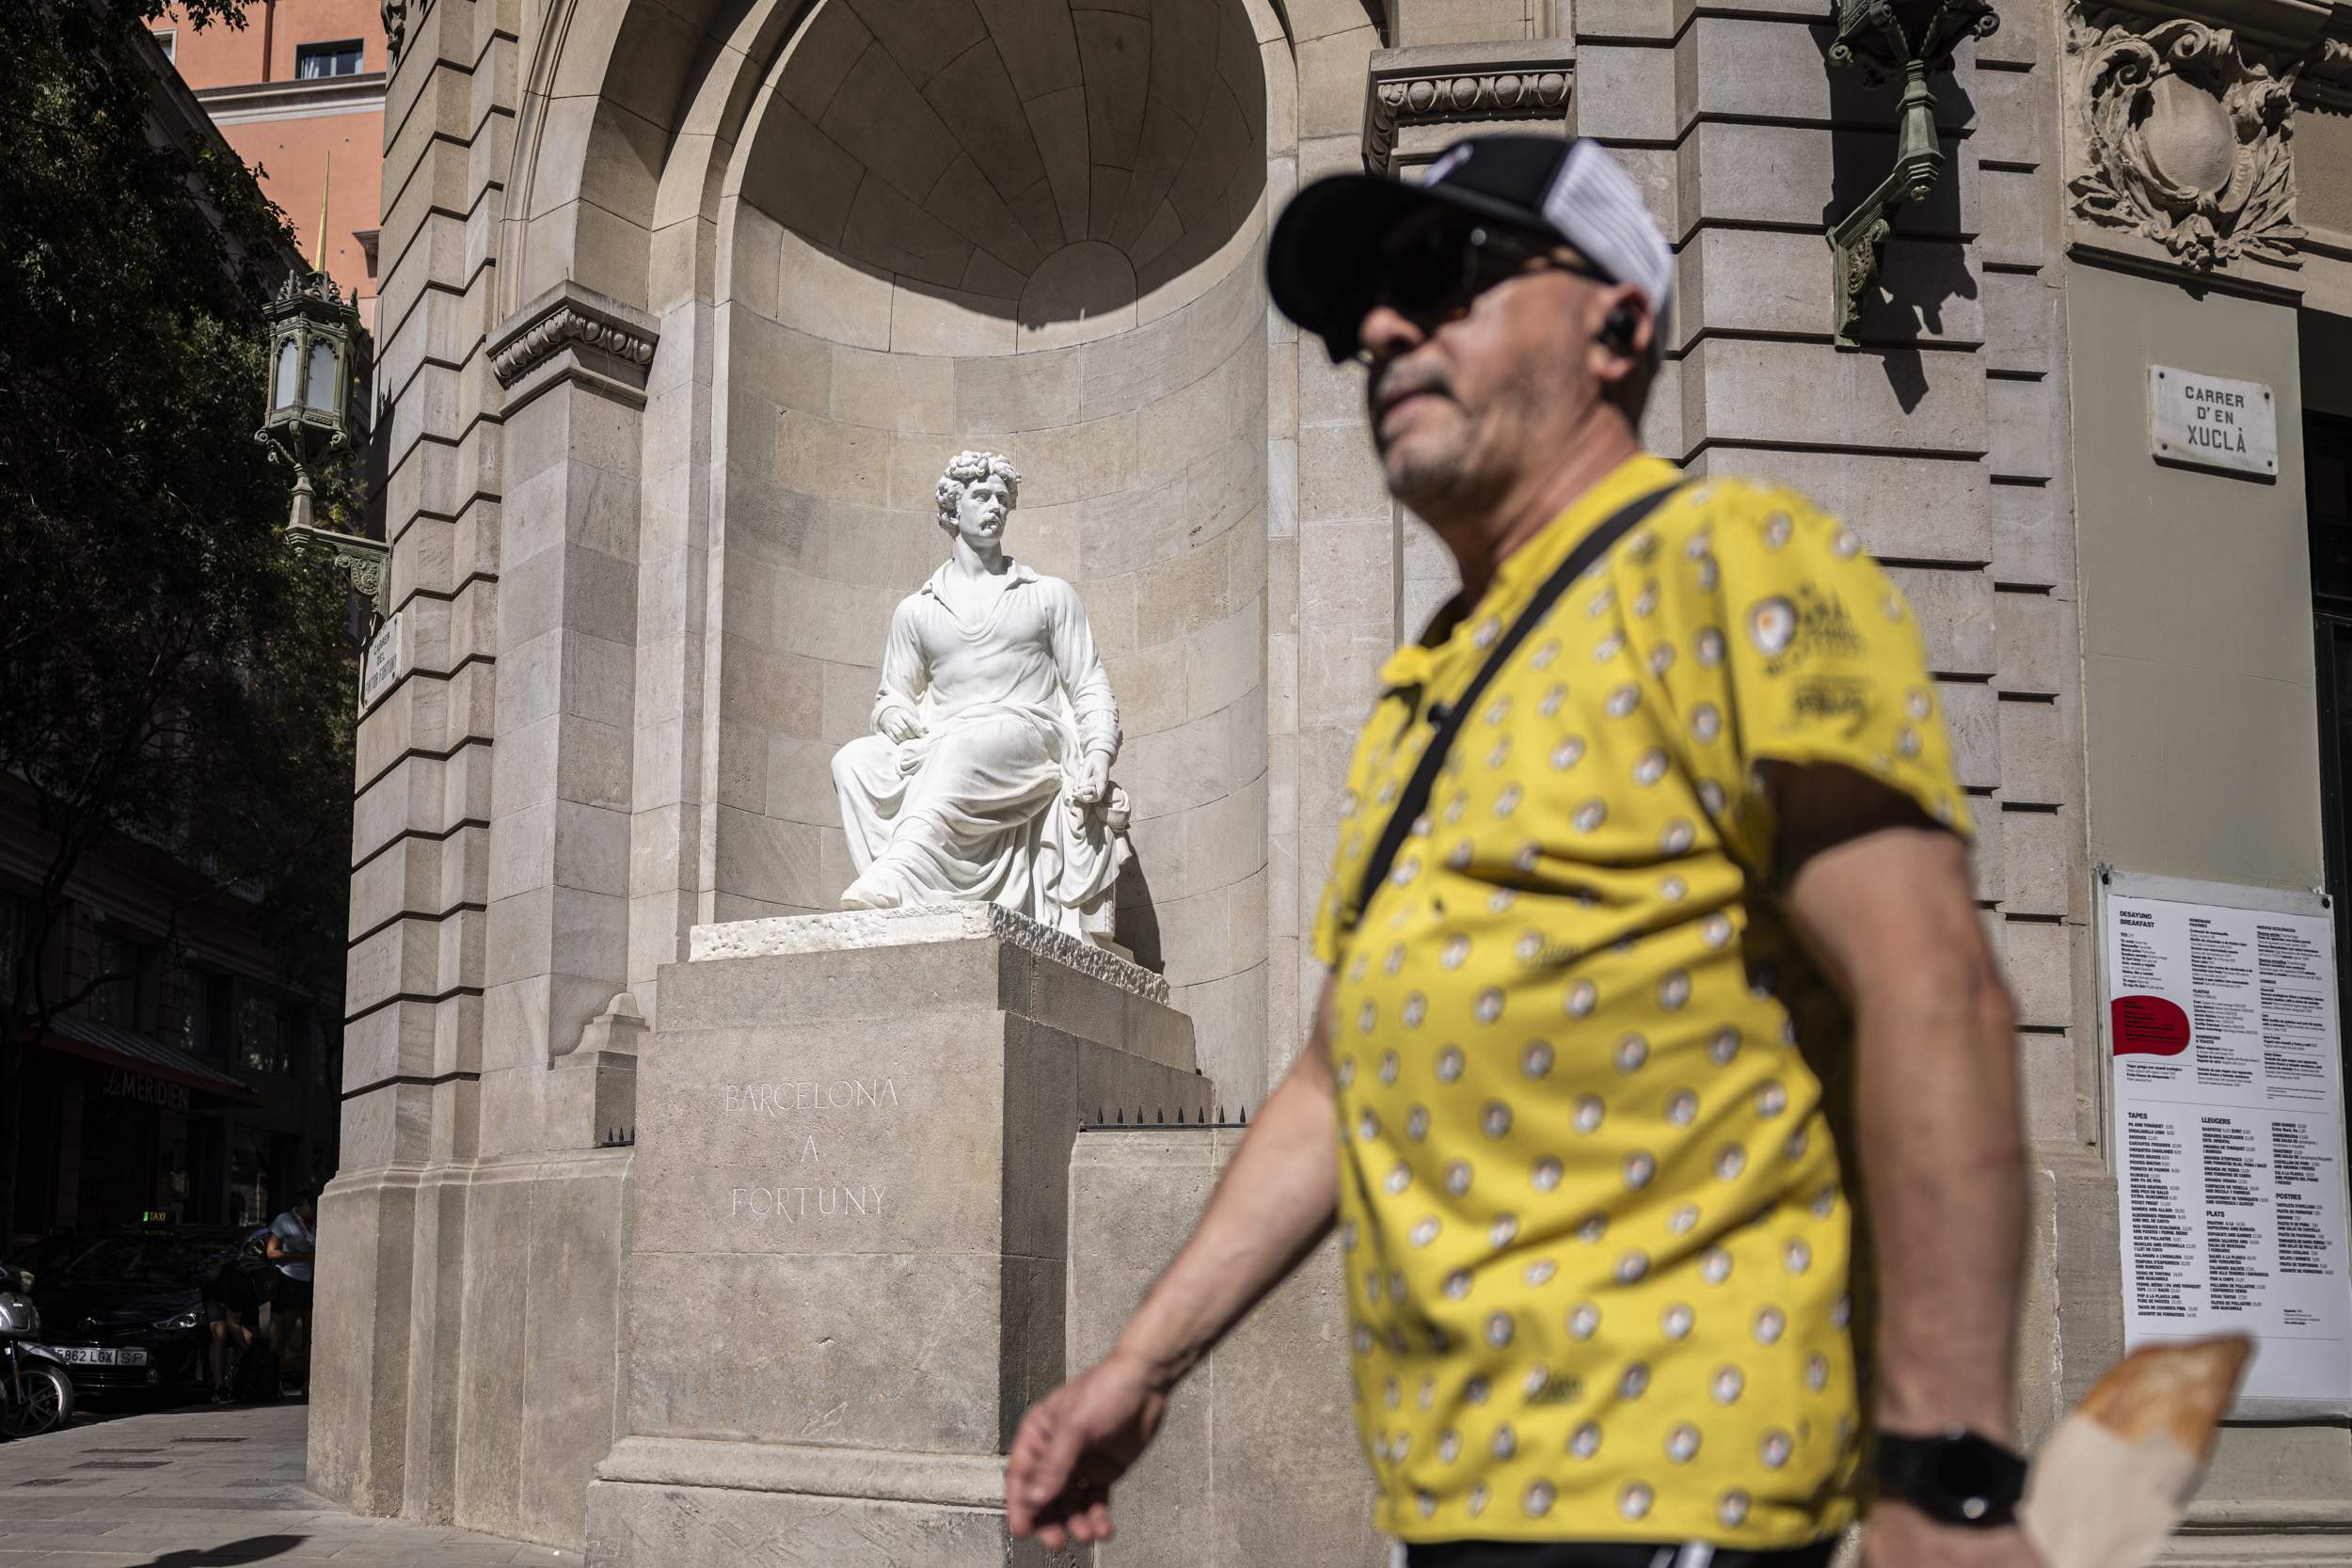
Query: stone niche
<point x="1036" y="229"/>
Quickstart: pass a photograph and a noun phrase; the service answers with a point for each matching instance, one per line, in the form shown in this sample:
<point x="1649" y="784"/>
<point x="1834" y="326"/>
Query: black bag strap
<point x="1415" y="798"/>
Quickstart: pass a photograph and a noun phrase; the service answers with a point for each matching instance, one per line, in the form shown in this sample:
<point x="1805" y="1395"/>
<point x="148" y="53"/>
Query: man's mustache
<point x="1401" y="379"/>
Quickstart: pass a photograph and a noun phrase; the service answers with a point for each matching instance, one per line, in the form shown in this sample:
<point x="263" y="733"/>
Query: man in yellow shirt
<point x="1651" y="930"/>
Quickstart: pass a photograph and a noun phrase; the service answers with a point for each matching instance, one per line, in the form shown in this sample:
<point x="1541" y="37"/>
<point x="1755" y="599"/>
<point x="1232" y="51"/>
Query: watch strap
<point x="1909" y="1466"/>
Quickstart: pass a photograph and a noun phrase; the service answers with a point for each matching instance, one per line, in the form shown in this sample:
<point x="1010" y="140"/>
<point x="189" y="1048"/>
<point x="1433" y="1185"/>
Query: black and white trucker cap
<point x="1319" y="258"/>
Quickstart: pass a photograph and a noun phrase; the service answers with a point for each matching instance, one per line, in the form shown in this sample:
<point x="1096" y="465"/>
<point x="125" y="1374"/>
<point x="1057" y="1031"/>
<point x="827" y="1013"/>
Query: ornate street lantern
<point x="317" y="381"/>
<point x="1912" y="40"/>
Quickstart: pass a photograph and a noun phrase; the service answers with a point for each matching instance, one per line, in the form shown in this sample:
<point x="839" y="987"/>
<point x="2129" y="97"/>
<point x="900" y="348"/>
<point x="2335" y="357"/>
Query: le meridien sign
<point x="123" y="1085"/>
<point x="2211" y="422"/>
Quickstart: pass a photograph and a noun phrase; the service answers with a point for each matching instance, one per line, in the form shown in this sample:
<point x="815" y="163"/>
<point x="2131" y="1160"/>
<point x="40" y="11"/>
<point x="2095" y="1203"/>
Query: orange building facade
<point x="298" y="92"/>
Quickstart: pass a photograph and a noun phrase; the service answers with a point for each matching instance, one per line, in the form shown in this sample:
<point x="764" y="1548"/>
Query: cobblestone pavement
<point x="190" y="1488"/>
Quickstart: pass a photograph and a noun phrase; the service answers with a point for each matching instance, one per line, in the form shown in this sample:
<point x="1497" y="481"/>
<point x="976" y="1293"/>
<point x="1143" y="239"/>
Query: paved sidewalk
<point x="191" y="1488"/>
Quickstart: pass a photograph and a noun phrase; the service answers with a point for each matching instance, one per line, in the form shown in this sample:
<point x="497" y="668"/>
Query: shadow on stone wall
<point x="1924" y="263"/>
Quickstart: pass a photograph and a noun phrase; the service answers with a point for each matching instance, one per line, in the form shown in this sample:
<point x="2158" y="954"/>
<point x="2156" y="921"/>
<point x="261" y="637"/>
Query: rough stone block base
<point x="466" y="1362"/>
<point x="850" y="1230"/>
<point x="360" y="1340"/>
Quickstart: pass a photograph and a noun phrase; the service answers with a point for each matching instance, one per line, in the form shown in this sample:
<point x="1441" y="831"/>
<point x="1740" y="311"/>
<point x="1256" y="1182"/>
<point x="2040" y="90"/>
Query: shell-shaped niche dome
<point x="1039" y="159"/>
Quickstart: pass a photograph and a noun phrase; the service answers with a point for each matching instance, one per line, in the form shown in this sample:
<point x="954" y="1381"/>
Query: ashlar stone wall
<point x="686" y="302"/>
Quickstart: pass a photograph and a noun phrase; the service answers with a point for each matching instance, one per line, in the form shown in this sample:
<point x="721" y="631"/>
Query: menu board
<point x="2229" y="1130"/>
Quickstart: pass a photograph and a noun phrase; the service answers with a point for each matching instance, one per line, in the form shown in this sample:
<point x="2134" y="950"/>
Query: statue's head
<point x="976" y="496"/>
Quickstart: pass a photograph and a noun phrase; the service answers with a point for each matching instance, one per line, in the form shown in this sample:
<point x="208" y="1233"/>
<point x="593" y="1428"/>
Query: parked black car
<point x="125" y="1309"/>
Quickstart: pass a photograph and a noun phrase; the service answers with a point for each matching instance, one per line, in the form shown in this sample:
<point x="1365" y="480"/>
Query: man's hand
<point x="1899" y="1536"/>
<point x="1072" y="1445"/>
<point x="899" y="725"/>
<point x="1094" y="779"/>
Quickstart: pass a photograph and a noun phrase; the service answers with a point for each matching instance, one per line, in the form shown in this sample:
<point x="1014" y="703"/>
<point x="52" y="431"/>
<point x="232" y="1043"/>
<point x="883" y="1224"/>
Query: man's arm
<point x="1892" y="913"/>
<point x="1270" y="1209"/>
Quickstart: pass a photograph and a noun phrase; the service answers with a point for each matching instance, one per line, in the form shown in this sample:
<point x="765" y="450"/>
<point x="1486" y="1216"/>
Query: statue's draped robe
<point x="1002" y="673"/>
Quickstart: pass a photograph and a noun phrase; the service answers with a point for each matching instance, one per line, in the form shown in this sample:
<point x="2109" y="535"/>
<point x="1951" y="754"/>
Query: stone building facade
<point x="684" y="303"/>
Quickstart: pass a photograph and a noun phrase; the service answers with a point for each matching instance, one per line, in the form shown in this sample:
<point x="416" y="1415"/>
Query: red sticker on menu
<point x="2147" y="1027"/>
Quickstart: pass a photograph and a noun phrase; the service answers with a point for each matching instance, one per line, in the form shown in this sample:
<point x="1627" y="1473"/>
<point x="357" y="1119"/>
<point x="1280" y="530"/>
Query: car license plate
<point x="101" y="1355"/>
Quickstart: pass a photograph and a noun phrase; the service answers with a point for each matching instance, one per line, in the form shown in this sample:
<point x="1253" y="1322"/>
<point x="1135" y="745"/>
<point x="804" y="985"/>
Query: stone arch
<point x="625" y="111"/>
<point x="1001" y="222"/>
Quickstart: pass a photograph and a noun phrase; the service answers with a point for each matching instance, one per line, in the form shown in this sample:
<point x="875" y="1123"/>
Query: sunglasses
<point x="1437" y="274"/>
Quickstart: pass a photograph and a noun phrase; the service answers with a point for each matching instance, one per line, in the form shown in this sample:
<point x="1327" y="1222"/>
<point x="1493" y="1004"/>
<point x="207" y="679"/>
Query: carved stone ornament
<point x="2185" y="133"/>
<point x="560" y="319"/>
<point x="1460" y="98"/>
<point x="2326" y="77"/>
<point x="1451" y="85"/>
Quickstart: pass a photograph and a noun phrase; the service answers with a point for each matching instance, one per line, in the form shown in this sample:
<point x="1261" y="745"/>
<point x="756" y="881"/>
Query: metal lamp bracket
<point x="363" y="562"/>
<point x="1888" y="37"/>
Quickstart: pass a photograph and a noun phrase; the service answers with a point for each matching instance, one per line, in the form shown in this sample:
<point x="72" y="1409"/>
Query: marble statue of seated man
<point x="988" y="773"/>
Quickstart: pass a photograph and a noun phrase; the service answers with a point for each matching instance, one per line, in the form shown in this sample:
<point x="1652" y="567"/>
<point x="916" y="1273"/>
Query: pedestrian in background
<point x="234" y="1295"/>
<point x="1652" y="866"/>
<point x="292" y="1245"/>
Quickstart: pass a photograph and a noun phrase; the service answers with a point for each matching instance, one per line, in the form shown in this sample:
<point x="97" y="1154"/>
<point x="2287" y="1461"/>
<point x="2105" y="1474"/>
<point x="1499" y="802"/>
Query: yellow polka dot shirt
<point x="1592" y="1217"/>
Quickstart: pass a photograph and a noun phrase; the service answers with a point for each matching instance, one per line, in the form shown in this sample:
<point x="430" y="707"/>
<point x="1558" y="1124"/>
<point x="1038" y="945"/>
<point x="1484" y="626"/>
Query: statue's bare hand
<point x="899" y="725"/>
<point x="1095" y="780"/>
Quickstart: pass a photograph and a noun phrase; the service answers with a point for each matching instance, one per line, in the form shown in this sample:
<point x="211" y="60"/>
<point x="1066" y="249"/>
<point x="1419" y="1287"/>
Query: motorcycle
<point x="36" y="1394"/>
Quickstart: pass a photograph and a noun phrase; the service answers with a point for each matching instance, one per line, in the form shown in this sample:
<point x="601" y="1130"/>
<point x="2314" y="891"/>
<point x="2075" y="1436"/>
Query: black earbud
<point x="1617" y="329"/>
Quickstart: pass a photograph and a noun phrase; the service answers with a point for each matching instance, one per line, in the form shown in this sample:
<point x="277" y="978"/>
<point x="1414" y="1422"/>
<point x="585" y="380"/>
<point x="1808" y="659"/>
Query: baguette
<point x="2116" y="1477"/>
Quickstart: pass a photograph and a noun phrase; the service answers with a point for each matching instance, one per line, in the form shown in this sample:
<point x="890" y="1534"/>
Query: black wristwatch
<point x="1953" y="1477"/>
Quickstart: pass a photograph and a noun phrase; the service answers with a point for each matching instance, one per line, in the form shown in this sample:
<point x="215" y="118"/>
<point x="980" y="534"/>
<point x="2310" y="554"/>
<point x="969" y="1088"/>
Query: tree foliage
<point x="174" y="682"/>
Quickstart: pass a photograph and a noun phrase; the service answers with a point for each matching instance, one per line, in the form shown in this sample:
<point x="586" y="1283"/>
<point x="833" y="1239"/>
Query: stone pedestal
<point x="850" y="1221"/>
<point x="1257" y="1464"/>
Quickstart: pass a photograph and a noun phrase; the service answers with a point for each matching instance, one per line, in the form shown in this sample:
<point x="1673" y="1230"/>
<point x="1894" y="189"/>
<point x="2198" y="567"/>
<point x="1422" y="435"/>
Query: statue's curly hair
<point x="967" y="469"/>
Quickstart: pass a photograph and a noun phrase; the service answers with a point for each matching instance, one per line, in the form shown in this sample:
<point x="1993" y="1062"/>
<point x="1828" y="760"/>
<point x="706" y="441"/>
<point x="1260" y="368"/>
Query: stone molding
<point x="567" y="316"/>
<point x="1451" y="85"/>
<point x="2182" y="133"/>
<point x="256" y="103"/>
<point x="2298" y="28"/>
<point x="958" y="1481"/>
<point x="919" y="922"/>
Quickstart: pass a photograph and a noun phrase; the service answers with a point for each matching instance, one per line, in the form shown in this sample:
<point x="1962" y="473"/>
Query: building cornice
<point x="611" y="344"/>
<point x="247" y="103"/>
<point x="2293" y="25"/>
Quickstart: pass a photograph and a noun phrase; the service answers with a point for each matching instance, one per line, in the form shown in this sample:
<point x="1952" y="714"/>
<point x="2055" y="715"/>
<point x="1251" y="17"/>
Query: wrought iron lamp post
<point x="1888" y="38"/>
<point x="317" y="352"/>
